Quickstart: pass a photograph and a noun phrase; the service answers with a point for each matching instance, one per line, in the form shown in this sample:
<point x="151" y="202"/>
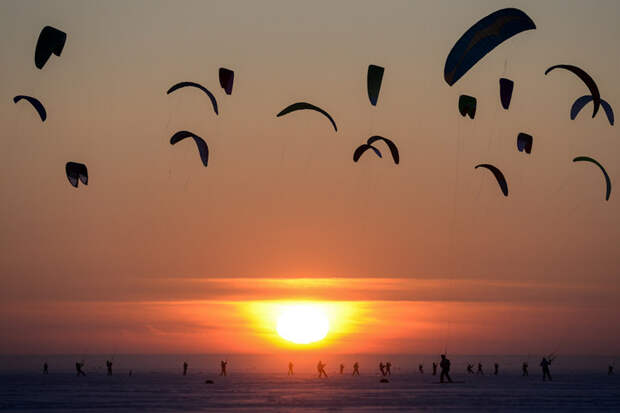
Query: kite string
<point x="454" y="248"/>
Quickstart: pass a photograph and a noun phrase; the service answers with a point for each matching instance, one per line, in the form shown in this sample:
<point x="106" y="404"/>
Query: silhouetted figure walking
<point x="320" y="367"/>
<point x="290" y="368"/>
<point x="434" y="368"/>
<point x="545" y="368"/>
<point x="223" y="367"/>
<point x="470" y="368"/>
<point x="341" y="368"/>
<point x="480" y="369"/>
<point x="45" y="371"/>
<point x="185" y="368"/>
<point x="78" y="369"/>
<point x="108" y="365"/>
<point x="524" y="369"/>
<point x="421" y="368"/>
<point x="382" y="368"/>
<point x="445" y="369"/>
<point x="388" y="368"/>
<point x="356" y="369"/>
<point x="496" y="371"/>
<point x="610" y="370"/>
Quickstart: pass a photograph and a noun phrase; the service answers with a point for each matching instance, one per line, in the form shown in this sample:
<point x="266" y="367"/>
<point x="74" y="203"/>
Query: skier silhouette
<point x="388" y="368"/>
<point x="421" y="368"/>
<point x="382" y="368"/>
<point x="470" y="368"/>
<point x="545" y="367"/>
<point x="320" y="367"/>
<point x="524" y="369"/>
<point x="341" y="368"/>
<point x="480" y="369"/>
<point x="78" y="368"/>
<point x="290" y="368"/>
<point x="45" y="371"/>
<point x="356" y="369"/>
<point x="108" y="365"/>
<point x="185" y="368"/>
<point x="496" y="372"/>
<point x="445" y="369"/>
<point x="610" y="370"/>
<point x="434" y="368"/>
<point x="223" y="367"/>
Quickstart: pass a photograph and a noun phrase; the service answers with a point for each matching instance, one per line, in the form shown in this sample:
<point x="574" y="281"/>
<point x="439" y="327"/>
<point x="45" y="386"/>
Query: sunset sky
<point x="161" y="255"/>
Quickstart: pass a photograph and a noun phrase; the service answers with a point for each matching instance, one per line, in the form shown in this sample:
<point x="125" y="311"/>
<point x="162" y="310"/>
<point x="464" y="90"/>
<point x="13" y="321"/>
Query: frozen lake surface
<point x="261" y="392"/>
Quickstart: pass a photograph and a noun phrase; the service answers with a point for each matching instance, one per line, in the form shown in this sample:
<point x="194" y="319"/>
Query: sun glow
<point x="302" y="324"/>
<point x="305" y="324"/>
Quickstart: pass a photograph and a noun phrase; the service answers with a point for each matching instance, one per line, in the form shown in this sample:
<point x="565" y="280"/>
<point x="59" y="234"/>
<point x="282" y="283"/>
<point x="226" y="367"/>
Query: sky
<point x="161" y="255"/>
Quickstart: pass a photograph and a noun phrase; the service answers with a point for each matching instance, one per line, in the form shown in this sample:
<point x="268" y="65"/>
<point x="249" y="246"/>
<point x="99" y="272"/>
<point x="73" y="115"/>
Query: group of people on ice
<point x="384" y="368"/>
<point x="320" y="367"/>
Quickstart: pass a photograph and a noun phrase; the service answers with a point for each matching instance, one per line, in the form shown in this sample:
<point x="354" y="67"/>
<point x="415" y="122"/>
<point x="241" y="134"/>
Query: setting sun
<point x="302" y="324"/>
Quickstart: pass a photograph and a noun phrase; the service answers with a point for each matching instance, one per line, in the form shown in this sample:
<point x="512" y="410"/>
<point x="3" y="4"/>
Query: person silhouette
<point x="223" y="367"/>
<point x="341" y="368"/>
<point x="356" y="369"/>
<point x="185" y="368"/>
<point x="610" y="370"/>
<point x="388" y="368"/>
<point x="421" y="368"/>
<point x="320" y="367"/>
<point x="480" y="369"/>
<point x="445" y="369"/>
<point x="45" y="370"/>
<point x="78" y="368"/>
<point x="470" y="368"/>
<point x="130" y="373"/>
<point x="545" y="368"/>
<point x="524" y="368"/>
<point x="382" y="368"/>
<point x="108" y="365"/>
<point x="496" y="371"/>
<point x="434" y="368"/>
<point x="290" y="368"/>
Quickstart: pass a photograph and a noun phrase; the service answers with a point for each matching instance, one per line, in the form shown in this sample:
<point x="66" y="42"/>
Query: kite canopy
<point x="198" y="86"/>
<point x="505" y="91"/>
<point x="76" y="172"/>
<point x="51" y="40"/>
<point x="595" y="162"/>
<point x="524" y="142"/>
<point x="227" y="77"/>
<point x="203" y="149"/>
<point x="389" y="143"/>
<point x="306" y="106"/>
<point x="467" y="106"/>
<point x="584" y="100"/>
<point x="375" y="76"/>
<point x="359" y="151"/>
<point x="36" y="104"/>
<point x="481" y="38"/>
<point x="368" y="145"/>
<point x="585" y="78"/>
<point x="499" y="176"/>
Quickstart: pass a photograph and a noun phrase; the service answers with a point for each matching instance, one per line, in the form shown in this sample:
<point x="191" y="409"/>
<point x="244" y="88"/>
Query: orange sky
<point x="174" y="254"/>
<point x="366" y="316"/>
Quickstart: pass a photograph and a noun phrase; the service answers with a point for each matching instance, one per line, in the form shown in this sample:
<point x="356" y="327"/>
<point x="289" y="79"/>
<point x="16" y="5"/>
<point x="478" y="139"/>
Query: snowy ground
<point x="257" y="392"/>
